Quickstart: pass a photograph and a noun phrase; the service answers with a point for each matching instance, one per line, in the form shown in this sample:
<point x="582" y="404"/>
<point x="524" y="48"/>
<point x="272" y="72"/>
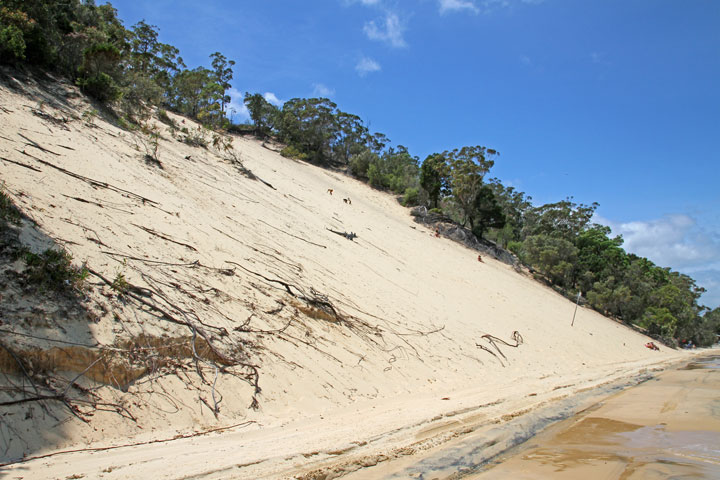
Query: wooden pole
<point x="575" y="312"/>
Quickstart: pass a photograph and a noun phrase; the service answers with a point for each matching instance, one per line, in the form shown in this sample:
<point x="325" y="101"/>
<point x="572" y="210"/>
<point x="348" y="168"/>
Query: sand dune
<point x="319" y="350"/>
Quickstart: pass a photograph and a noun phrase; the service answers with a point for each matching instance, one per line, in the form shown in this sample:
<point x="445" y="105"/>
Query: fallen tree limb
<point x="92" y="182"/>
<point x="350" y="236"/>
<point x="196" y="263"/>
<point x="20" y="164"/>
<point x="164" y="237"/>
<point x="34" y="144"/>
<point x="90" y="202"/>
<point x="493" y="340"/>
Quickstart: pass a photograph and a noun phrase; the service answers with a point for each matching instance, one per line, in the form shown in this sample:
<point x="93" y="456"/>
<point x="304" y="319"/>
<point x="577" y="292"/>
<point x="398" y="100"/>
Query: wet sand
<point x="650" y="426"/>
<point x="668" y="427"/>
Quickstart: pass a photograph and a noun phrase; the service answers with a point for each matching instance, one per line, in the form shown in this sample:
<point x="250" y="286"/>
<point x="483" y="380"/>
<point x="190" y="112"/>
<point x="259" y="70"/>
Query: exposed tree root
<point x="493" y="340"/>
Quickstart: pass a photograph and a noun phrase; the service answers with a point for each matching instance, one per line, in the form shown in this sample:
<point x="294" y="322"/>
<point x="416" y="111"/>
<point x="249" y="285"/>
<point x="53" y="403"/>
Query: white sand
<point x="332" y="392"/>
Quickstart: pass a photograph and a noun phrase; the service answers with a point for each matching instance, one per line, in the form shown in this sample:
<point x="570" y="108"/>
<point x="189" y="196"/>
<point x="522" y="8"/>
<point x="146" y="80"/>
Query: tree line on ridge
<point x="130" y="69"/>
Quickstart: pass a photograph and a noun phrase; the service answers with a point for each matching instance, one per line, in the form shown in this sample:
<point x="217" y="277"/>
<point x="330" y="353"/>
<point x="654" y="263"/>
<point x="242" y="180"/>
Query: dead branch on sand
<point x="493" y="340"/>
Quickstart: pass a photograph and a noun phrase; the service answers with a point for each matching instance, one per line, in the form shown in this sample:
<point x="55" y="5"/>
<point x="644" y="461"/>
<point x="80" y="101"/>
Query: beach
<point x="249" y="339"/>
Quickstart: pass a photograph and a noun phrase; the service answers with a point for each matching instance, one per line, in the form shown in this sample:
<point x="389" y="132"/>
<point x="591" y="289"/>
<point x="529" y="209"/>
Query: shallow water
<point x="665" y="428"/>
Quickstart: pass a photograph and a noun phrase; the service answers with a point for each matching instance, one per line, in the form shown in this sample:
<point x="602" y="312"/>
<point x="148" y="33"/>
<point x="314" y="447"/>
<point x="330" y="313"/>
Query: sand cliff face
<point x="221" y="291"/>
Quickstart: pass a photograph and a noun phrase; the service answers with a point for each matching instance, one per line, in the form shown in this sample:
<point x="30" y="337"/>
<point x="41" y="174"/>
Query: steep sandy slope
<point x="244" y="308"/>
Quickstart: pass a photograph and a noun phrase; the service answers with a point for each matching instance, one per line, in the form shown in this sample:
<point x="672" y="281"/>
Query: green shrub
<point x="375" y="176"/>
<point x="101" y="65"/>
<point x="164" y="118"/>
<point x="411" y="197"/>
<point x="292" y="152"/>
<point x="196" y="138"/>
<point x="120" y="285"/>
<point x="14" y="24"/>
<point x="126" y="123"/>
<point x="659" y="321"/>
<point x="515" y="247"/>
<point x="89" y="116"/>
<point x="101" y="87"/>
<point x="360" y="163"/>
<point x="53" y="270"/>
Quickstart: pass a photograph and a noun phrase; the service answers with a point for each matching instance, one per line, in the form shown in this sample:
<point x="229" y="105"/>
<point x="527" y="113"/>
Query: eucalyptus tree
<point x="433" y="177"/>
<point x="223" y="74"/>
<point x="467" y="168"/>
<point x="487" y="212"/>
<point x="262" y="113"/>
<point x="309" y="124"/>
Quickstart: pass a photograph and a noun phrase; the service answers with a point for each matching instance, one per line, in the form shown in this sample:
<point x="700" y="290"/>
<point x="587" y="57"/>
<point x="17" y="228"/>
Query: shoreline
<point x="667" y="428"/>
<point x="331" y="448"/>
<point x="477" y="454"/>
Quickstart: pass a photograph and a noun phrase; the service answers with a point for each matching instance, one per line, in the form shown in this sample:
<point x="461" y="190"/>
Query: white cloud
<point x="675" y="241"/>
<point x="457" y="5"/>
<point x="320" y="90"/>
<point x="236" y="110"/>
<point x="389" y="30"/>
<point x="271" y="98"/>
<point x="367" y="65"/>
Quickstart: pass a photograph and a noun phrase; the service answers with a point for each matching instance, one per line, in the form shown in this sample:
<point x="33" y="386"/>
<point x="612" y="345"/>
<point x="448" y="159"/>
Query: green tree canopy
<point x="262" y="113"/>
<point x="565" y="219"/>
<point x="433" y="177"/>
<point x="467" y="168"/>
<point x="487" y="212"/>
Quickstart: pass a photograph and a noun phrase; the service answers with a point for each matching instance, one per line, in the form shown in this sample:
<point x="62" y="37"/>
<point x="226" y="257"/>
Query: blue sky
<point x="613" y="101"/>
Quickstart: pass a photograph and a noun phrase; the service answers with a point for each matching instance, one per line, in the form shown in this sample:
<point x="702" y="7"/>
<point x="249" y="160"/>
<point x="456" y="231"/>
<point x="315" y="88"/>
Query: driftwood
<point x="90" y="202"/>
<point x="47" y="392"/>
<point x="21" y="164"/>
<point x="196" y="263"/>
<point x="86" y="229"/>
<point x="34" y="144"/>
<point x="164" y="237"/>
<point x="60" y="122"/>
<point x="247" y="172"/>
<point x="350" y="236"/>
<point x="493" y="340"/>
<point x="138" y="294"/>
<point x="92" y="182"/>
